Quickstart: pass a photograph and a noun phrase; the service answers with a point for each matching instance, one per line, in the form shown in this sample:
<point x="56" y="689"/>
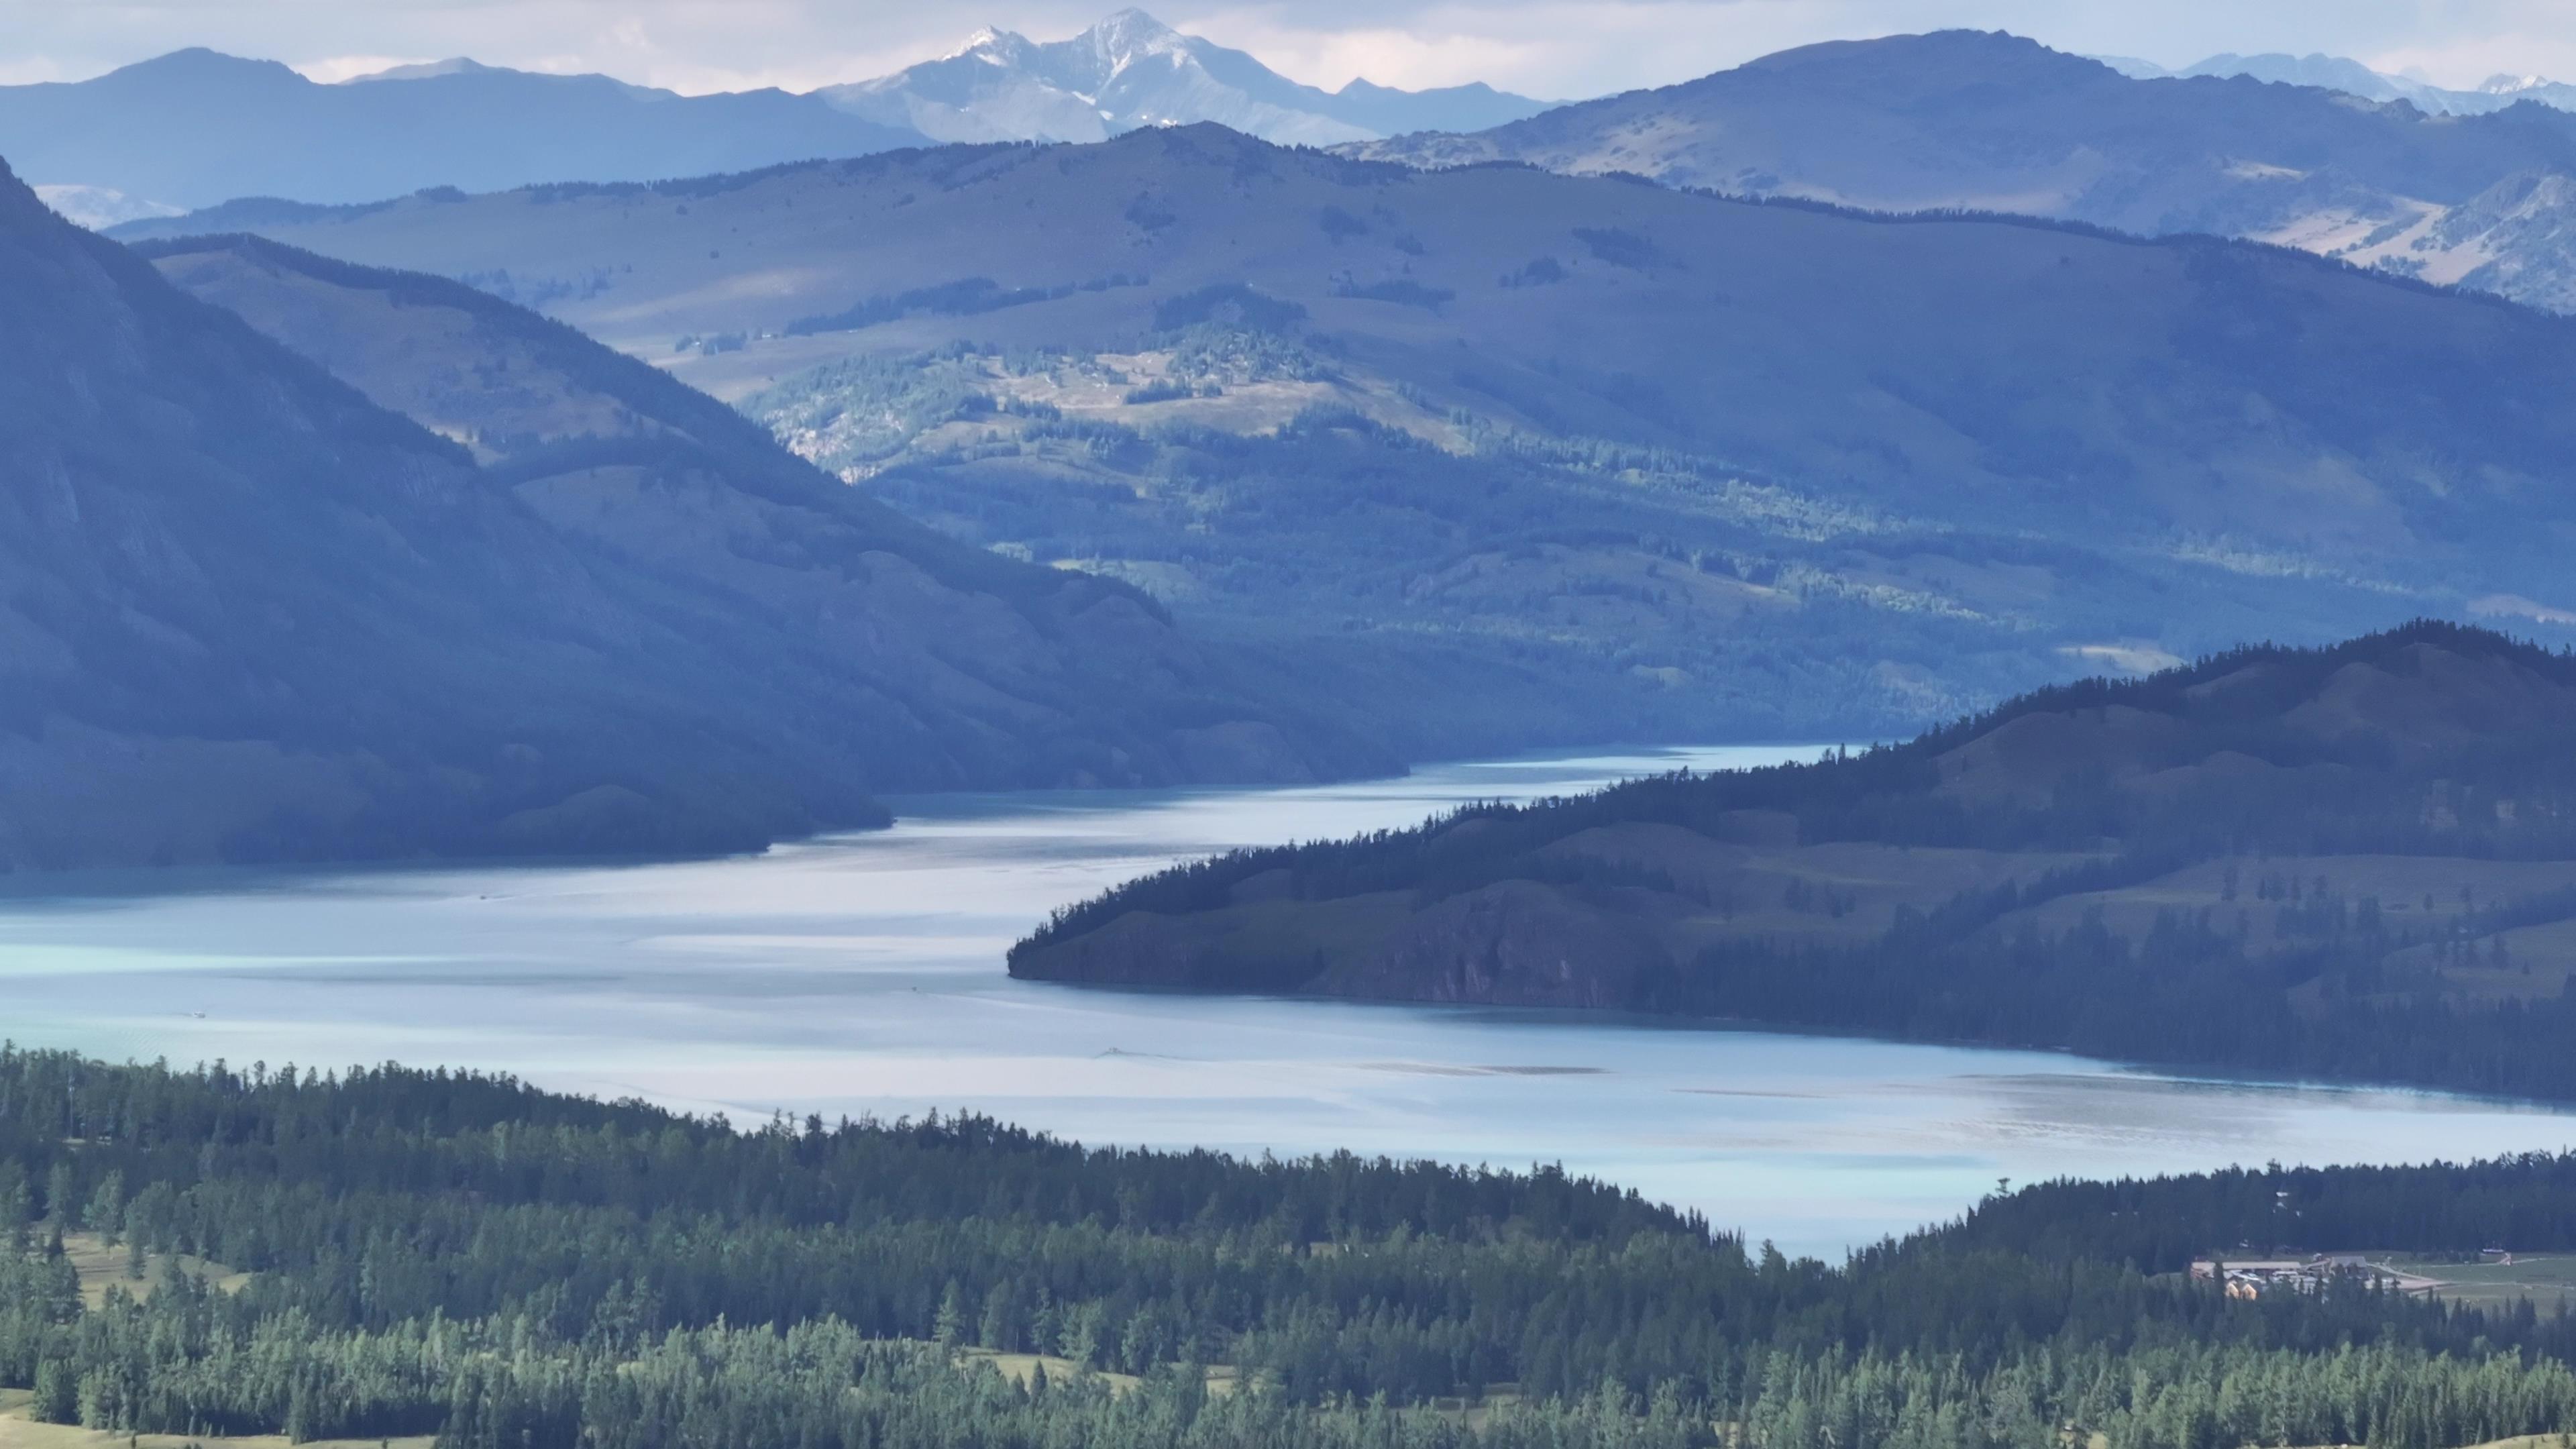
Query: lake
<point x="863" y="973"/>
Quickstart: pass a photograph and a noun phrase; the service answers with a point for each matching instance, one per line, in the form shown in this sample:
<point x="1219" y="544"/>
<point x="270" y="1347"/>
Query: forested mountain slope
<point x="252" y="614"/>
<point x="414" y="1253"/>
<point x="1992" y="122"/>
<point x="1611" y="459"/>
<point x="2357" y="861"/>
<point x="195" y="127"/>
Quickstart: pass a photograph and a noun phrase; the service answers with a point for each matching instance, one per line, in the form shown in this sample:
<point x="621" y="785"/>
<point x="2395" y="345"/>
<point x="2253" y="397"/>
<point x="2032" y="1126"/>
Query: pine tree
<point x="950" y="1323"/>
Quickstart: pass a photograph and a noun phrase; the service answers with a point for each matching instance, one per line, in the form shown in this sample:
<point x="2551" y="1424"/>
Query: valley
<point x="1378" y="425"/>
<point x="863" y="743"/>
<point x="858" y="974"/>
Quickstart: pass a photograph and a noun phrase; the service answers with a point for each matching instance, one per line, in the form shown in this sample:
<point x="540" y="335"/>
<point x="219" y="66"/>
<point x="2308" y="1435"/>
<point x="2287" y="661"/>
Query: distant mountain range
<point x="1471" y="426"/>
<point x="1991" y="122"/>
<point x="1131" y="70"/>
<point x="2334" y="72"/>
<point x="458" y="580"/>
<point x="195" y="128"/>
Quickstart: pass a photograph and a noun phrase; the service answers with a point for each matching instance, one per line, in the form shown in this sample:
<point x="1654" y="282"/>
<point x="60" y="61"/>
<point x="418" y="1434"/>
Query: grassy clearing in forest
<point x="17" y="1431"/>
<point x="100" y="1265"/>
<point x="2548" y="1282"/>
<point x="1020" y="1368"/>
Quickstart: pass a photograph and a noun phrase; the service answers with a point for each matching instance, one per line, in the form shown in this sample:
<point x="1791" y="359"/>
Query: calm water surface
<point x="863" y="974"/>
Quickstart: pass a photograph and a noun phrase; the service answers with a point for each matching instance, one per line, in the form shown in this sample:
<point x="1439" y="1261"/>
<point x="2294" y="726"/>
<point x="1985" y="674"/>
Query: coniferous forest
<point x="426" y="1253"/>
<point x="2163" y="855"/>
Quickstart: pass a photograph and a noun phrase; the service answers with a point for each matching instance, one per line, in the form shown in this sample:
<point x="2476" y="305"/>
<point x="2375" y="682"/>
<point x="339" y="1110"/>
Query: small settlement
<point x="2261" y="1277"/>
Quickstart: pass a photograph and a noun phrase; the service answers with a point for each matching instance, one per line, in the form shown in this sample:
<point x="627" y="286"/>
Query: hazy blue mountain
<point x="1601" y="456"/>
<point x="2560" y="94"/>
<point x="195" y="127"/>
<point x="1472" y="107"/>
<point x="466" y="582"/>
<point x="1962" y="119"/>
<point x="2334" y="72"/>
<point x="2133" y="67"/>
<point x="1131" y="70"/>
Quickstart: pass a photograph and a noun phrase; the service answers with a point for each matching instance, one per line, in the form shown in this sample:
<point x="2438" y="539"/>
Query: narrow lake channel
<point x="864" y="974"/>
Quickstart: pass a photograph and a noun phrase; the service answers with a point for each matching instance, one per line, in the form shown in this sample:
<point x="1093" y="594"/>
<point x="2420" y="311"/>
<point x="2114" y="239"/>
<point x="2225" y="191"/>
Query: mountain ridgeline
<point x="194" y="128"/>
<point x="1131" y="70"/>
<point x="1991" y="122"/>
<point x="547" y="601"/>
<point x="2357" y="861"/>
<point x="1469" y="427"/>
<point x="2340" y="73"/>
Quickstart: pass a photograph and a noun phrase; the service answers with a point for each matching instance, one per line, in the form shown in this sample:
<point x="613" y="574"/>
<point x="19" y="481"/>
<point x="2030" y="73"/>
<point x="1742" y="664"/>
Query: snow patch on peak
<point x="100" y="207"/>
<point x="1131" y="70"/>
<point x="1132" y="27"/>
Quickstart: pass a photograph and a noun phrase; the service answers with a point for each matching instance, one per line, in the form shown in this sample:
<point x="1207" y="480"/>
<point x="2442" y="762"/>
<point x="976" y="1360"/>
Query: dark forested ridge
<point x="2357" y="861"/>
<point x="420" y="1253"/>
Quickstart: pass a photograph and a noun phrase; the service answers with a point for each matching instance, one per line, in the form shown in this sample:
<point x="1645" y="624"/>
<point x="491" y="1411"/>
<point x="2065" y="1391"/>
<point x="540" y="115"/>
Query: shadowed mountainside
<point x="1992" y="122"/>
<point x="2357" y="861"/>
<point x="254" y="615"/>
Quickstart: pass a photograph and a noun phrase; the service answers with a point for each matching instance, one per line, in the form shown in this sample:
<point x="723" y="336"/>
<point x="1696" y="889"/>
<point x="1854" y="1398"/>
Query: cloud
<point x="27" y="70"/>
<point x="333" y="69"/>
<point x="1542" y="47"/>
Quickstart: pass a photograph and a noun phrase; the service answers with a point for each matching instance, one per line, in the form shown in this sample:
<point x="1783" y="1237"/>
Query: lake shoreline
<point x="860" y="974"/>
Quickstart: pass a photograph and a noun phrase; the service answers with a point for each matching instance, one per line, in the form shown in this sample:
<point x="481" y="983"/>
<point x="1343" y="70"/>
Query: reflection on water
<point x="863" y="974"/>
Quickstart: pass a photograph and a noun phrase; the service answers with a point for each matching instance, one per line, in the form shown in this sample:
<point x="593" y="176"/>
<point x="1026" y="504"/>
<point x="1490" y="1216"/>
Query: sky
<point x="1554" y="49"/>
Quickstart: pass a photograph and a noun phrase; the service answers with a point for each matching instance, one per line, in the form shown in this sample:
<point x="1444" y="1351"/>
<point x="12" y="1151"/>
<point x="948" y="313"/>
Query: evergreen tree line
<point x="469" y="1257"/>
<point x="2523" y="1204"/>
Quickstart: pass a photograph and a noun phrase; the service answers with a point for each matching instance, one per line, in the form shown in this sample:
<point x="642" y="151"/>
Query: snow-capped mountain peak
<point x="1131" y="33"/>
<point x="1131" y="70"/>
